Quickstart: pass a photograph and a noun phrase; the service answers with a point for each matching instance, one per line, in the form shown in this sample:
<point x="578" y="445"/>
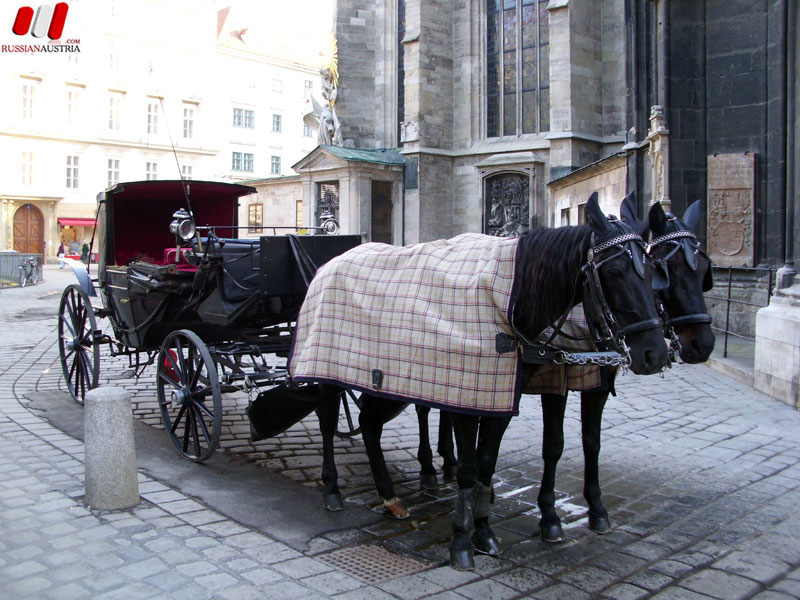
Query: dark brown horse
<point x="617" y="291"/>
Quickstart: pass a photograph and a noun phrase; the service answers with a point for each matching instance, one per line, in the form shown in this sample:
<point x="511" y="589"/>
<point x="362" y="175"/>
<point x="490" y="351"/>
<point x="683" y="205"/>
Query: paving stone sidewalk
<point x="701" y="476"/>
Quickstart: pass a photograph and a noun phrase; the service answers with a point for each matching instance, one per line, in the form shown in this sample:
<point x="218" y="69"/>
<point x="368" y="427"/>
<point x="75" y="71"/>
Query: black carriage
<point x="213" y="312"/>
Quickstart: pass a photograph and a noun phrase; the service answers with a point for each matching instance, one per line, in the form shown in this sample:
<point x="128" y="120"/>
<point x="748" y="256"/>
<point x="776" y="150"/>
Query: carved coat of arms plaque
<point x="731" y="180"/>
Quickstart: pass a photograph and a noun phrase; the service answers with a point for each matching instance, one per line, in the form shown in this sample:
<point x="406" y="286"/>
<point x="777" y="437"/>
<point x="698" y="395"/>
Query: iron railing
<point x="750" y="276"/>
<point x="9" y="267"/>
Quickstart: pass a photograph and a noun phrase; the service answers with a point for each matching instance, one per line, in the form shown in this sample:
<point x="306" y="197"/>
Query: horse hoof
<point x="487" y="545"/>
<point x="599" y="524"/>
<point x="449" y="473"/>
<point x="333" y="502"/>
<point x="551" y="532"/>
<point x="394" y="508"/>
<point x="462" y="560"/>
<point x="428" y="481"/>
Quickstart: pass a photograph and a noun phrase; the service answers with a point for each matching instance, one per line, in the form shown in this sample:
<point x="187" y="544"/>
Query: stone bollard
<point x="110" y="454"/>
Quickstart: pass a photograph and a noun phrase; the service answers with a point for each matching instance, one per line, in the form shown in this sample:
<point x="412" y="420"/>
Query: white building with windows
<point x="149" y="76"/>
<point x="266" y="96"/>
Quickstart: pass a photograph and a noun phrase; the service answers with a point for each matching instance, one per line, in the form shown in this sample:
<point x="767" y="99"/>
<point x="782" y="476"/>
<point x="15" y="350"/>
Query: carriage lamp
<point x="329" y="223"/>
<point x="182" y="225"/>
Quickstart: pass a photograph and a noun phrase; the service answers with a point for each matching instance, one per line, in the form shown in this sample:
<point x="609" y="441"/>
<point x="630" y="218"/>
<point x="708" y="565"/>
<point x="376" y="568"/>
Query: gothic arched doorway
<point x="506" y="204"/>
<point x="29" y="230"/>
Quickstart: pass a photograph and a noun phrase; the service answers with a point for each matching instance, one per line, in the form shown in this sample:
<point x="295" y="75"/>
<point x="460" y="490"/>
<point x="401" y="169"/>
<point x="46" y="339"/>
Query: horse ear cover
<point x="657" y="218"/>
<point x="691" y="218"/>
<point x="627" y="210"/>
<point x="627" y="213"/>
<point x="594" y="215"/>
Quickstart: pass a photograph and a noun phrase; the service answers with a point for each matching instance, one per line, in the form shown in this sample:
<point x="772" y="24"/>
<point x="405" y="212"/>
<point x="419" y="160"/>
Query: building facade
<point x="155" y="90"/>
<point x="509" y="113"/>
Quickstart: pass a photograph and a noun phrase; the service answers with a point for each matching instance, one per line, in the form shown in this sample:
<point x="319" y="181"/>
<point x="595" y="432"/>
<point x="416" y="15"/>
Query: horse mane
<point x="548" y="263"/>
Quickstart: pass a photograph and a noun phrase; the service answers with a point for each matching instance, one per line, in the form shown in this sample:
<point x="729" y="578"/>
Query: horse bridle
<point x="686" y="240"/>
<point x="606" y="330"/>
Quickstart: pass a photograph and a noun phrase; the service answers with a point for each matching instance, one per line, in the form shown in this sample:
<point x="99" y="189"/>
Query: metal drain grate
<point x="372" y="564"/>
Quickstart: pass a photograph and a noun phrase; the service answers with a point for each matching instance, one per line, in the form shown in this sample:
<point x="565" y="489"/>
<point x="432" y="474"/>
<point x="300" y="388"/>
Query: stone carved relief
<point x="409" y="131"/>
<point x="658" y="150"/>
<point x="731" y="218"/>
<point x="507" y="205"/>
<point x="730" y="209"/>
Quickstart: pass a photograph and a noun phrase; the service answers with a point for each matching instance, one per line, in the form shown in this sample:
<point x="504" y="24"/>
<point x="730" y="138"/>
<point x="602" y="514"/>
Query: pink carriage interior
<point x="143" y="211"/>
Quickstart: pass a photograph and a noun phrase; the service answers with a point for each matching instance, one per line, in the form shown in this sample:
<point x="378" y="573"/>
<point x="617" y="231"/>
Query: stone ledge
<point x="732" y="368"/>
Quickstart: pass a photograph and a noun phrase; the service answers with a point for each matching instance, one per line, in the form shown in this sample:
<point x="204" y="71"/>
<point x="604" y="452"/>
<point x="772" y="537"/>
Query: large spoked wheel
<point x="350" y="401"/>
<point x="77" y="342"/>
<point x="189" y="395"/>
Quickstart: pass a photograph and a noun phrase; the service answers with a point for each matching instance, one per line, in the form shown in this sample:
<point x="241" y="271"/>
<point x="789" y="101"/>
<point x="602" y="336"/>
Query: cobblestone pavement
<point x="701" y="476"/>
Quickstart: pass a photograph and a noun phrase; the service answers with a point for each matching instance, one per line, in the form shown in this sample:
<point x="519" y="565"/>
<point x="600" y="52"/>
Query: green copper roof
<point x="381" y="156"/>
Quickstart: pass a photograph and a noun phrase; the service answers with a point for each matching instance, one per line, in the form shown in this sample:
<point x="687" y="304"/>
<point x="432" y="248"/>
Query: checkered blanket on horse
<point x="415" y="323"/>
<point x="559" y="379"/>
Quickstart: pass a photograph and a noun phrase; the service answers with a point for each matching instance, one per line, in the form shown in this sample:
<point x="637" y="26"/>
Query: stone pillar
<point x="658" y="139"/>
<point x="777" y="363"/>
<point x="111" y="479"/>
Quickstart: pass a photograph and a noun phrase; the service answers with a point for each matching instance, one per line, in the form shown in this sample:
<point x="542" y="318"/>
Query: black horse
<point x="689" y="268"/>
<point x="617" y="292"/>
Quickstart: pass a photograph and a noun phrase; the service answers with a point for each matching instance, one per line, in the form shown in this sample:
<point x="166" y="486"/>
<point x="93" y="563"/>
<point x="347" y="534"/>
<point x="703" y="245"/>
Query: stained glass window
<point x="517" y="67"/>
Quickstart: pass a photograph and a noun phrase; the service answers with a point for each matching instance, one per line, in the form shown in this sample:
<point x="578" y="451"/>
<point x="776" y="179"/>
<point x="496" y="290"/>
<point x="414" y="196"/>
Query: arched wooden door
<point x="29" y="230"/>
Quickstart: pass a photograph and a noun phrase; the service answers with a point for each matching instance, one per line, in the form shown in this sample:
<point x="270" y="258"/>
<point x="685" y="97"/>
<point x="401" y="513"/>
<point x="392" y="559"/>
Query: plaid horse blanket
<point x="559" y="379"/>
<point x="414" y="323"/>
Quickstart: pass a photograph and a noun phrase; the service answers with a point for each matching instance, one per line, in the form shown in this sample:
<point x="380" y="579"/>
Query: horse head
<point x="618" y="291"/>
<point x="689" y="267"/>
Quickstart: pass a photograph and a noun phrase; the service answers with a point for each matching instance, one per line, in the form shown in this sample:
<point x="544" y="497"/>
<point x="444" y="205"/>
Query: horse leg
<point x="592" y="404"/>
<point x="553" y="407"/>
<point x="328" y="415"/>
<point x="490" y="435"/>
<point x="445" y="447"/>
<point x="374" y="413"/>
<point x="466" y="429"/>
<point x="427" y="473"/>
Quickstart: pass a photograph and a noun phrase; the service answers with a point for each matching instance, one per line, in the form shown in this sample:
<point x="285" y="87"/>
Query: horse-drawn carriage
<point x="213" y="312"/>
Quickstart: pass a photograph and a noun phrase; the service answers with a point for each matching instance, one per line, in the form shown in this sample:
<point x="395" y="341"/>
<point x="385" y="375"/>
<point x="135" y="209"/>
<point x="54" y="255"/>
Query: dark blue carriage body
<point x="228" y="290"/>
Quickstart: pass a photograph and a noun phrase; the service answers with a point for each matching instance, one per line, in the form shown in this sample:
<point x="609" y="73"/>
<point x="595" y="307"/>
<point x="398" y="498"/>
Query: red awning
<point x="76" y="222"/>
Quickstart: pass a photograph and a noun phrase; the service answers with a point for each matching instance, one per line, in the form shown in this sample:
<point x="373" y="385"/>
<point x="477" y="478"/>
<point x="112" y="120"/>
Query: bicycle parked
<point x="28" y="271"/>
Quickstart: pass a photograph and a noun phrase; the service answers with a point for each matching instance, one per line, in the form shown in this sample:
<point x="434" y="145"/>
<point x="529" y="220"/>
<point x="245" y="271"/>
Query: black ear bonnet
<point x="683" y="239"/>
<point x="618" y="233"/>
<point x="627" y="211"/>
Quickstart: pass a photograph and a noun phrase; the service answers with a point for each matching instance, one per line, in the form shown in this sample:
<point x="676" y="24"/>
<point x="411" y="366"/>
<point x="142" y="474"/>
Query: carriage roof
<point x="133" y="217"/>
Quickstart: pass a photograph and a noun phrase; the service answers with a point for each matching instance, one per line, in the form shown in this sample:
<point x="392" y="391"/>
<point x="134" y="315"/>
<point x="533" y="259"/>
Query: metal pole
<point x="727" y="314"/>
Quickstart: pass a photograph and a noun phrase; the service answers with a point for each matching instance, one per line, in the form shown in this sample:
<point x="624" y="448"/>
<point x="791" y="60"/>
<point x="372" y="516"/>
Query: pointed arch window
<point x="517" y="67"/>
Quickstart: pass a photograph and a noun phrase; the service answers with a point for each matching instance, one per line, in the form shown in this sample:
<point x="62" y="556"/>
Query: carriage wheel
<point x="189" y="395"/>
<point x="78" y="348"/>
<point x="350" y="399"/>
